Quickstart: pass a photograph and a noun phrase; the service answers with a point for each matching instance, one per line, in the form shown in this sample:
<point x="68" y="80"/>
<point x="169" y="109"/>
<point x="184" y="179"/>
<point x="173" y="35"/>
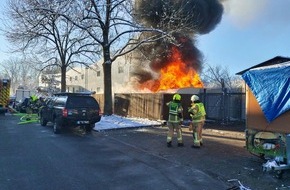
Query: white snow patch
<point x="118" y="122"/>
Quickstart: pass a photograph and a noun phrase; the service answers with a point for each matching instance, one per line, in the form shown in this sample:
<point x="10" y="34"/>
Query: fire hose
<point x="240" y="187"/>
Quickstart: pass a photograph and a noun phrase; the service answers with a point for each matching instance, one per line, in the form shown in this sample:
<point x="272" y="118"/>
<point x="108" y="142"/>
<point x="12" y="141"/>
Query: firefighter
<point x="40" y="104"/>
<point x="174" y="121"/>
<point x="197" y="113"/>
<point x="33" y="98"/>
<point x="32" y="105"/>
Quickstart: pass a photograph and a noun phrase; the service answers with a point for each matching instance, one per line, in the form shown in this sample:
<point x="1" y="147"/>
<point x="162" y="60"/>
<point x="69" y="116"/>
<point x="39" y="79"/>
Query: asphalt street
<point x="32" y="157"/>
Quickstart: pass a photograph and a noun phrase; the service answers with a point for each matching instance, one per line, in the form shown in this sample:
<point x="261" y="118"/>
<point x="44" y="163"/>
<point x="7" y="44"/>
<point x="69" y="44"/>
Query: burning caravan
<point x="268" y="111"/>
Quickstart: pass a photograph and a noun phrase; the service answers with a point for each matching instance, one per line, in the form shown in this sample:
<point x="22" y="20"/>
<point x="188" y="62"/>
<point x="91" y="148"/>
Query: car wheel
<point x="43" y="122"/>
<point x="22" y="110"/>
<point x="279" y="174"/>
<point x="56" y="127"/>
<point x="90" y="127"/>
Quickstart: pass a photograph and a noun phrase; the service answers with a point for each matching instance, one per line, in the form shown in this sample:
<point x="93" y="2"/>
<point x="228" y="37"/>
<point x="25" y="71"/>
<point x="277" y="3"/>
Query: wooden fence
<point x="220" y="105"/>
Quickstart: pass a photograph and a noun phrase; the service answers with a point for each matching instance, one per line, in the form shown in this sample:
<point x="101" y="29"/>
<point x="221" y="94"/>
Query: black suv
<point x="70" y="110"/>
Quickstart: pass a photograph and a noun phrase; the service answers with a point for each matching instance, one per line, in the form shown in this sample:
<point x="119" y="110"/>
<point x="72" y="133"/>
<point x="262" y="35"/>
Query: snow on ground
<point x="118" y="122"/>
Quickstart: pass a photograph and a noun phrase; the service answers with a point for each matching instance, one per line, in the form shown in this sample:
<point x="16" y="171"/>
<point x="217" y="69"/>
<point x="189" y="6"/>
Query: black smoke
<point x="202" y="16"/>
<point x="186" y="19"/>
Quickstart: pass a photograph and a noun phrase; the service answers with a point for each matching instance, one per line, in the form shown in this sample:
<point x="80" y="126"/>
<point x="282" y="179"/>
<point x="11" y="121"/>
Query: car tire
<point x="90" y="127"/>
<point x="43" y="121"/>
<point x="56" y="127"/>
<point x="22" y="110"/>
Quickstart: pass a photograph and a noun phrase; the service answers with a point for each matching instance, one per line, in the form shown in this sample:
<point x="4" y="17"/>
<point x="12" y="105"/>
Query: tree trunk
<point x="107" y="65"/>
<point x="63" y="79"/>
<point x="108" y="104"/>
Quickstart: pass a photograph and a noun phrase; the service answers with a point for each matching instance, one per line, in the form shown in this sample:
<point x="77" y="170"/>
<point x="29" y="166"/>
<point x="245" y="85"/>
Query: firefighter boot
<point x="169" y="144"/>
<point x="201" y="142"/>
<point x="196" y="142"/>
<point x="180" y="144"/>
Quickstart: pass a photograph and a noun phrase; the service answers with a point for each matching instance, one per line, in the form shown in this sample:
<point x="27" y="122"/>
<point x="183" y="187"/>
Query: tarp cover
<point x="271" y="87"/>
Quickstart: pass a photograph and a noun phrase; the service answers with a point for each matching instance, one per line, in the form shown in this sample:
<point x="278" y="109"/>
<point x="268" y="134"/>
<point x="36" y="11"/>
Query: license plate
<point x="83" y="122"/>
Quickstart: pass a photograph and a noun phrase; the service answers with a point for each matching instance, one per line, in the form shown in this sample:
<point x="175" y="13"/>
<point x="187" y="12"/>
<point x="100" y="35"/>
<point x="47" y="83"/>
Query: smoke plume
<point x="186" y="19"/>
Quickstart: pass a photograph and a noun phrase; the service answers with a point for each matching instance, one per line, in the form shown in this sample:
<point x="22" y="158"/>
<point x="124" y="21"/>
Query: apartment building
<point x="82" y="78"/>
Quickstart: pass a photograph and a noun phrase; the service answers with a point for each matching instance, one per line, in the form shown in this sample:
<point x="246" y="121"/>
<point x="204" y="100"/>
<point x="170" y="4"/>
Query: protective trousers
<point x="171" y="127"/>
<point x="197" y="132"/>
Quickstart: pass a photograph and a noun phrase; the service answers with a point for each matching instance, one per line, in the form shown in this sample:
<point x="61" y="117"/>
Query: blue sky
<point x="251" y="31"/>
<point x="4" y="49"/>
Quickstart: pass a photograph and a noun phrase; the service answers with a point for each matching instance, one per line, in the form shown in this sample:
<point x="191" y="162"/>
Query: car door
<point x="47" y="110"/>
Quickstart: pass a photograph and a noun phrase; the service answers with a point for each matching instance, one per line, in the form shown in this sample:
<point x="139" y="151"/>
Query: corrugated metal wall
<point x="225" y="106"/>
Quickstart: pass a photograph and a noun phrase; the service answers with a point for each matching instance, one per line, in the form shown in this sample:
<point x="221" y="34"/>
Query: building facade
<point x="83" y="79"/>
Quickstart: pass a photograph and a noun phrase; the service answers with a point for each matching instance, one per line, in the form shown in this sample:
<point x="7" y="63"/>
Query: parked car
<point x="22" y="105"/>
<point x="66" y="110"/>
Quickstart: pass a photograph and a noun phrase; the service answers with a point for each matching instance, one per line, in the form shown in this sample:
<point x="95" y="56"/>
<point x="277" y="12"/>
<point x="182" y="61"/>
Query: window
<point x="76" y="77"/>
<point x="98" y="89"/>
<point x="98" y="73"/>
<point x="81" y="101"/>
<point x="120" y="69"/>
<point x="82" y="76"/>
<point x="70" y="78"/>
<point x="60" y="101"/>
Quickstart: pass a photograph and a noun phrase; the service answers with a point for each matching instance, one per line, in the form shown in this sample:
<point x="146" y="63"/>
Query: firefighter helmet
<point x="177" y="97"/>
<point x="194" y="98"/>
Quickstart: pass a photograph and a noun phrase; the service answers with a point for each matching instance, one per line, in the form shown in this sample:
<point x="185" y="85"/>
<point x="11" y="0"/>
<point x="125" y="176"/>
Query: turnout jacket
<point x="175" y="112"/>
<point x="197" y="112"/>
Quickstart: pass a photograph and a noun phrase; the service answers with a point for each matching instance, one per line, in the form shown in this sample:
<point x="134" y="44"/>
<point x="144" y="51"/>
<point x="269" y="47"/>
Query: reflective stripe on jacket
<point x="197" y="112"/>
<point x="175" y="112"/>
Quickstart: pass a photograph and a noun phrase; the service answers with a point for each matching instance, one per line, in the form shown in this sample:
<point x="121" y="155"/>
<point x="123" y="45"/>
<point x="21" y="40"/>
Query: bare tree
<point x="21" y="73"/>
<point x="49" y="38"/>
<point x="61" y="26"/>
<point x="219" y="76"/>
<point x="50" y="78"/>
<point x="67" y="31"/>
<point x="112" y="25"/>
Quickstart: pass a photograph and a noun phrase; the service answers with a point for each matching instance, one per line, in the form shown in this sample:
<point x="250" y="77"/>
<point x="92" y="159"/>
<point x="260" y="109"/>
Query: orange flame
<point x="175" y="75"/>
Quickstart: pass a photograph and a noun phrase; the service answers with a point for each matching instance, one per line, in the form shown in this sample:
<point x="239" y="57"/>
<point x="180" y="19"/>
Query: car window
<point x="25" y="101"/>
<point x="60" y="101"/>
<point x="81" y="101"/>
<point x="48" y="101"/>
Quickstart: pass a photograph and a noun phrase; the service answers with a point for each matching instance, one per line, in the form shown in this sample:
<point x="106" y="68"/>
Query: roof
<point x="74" y="93"/>
<point x="273" y="61"/>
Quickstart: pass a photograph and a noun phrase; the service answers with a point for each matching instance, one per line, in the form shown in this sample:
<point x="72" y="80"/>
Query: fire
<point x="174" y="75"/>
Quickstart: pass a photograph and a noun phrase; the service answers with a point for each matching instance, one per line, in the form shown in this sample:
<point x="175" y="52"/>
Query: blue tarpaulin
<point x="271" y="87"/>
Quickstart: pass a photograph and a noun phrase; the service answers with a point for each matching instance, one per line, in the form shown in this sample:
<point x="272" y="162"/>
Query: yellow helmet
<point x="177" y="97"/>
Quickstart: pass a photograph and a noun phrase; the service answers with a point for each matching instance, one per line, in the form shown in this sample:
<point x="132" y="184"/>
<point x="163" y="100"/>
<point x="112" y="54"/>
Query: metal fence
<point x="225" y="107"/>
<point x="221" y="105"/>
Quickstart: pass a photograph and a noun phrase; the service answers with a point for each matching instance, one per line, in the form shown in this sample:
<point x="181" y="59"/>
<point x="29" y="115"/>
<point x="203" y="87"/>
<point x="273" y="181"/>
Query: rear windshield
<point x="81" y="101"/>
